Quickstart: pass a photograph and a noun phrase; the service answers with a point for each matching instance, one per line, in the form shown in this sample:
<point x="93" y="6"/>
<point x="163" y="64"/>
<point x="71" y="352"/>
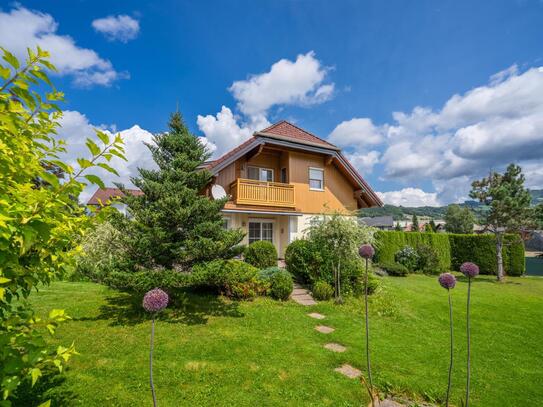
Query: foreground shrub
<point x="303" y="260"/>
<point x="41" y="220"/>
<point x="428" y="262"/>
<point x="281" y="285"/>
<point x="394" y="269"/>
<point x="267" y="273"/>
<point x="322" y="291"/>
<point x="143" y="281"/>
<point x="261" y="254"/>
<point x="407" y="257"/>
<point x="232" y="278"/>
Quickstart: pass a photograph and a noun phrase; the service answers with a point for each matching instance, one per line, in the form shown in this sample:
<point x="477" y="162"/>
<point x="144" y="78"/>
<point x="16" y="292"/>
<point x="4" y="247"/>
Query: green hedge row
<point x="391" y="242"/>
<point x="481" y="250"/>
<point x="455" y="249"/>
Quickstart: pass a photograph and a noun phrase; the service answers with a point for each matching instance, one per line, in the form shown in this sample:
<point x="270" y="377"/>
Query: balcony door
<point x="260" y="230"/>
<point x="260" y="174"/>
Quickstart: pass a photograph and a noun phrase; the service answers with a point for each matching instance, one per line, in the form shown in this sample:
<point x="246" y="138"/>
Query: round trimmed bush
<point x="261" y="254"/>
<point x="281" y="285"/>
<point x="394" y="269"/>
<point x="303" y="260"/>
<point x="322" y="291"/>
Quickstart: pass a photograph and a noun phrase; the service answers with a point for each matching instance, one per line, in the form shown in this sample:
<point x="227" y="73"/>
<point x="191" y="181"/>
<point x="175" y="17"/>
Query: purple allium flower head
<point x="155" y="300"/>
<point x="447" y="280"/>
<point x="469" y="269"/>
<point x="366" y="251"/>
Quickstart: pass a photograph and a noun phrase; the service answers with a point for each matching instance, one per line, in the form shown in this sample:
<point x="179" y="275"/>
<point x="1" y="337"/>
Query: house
<point x="379" y="222"/>
<point x="280" y="178"/>
<point x="107" y="196"/>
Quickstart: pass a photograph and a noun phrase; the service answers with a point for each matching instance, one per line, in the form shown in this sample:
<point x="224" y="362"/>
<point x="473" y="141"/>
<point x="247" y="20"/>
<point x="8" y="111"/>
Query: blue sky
<point x="347" y="62"/>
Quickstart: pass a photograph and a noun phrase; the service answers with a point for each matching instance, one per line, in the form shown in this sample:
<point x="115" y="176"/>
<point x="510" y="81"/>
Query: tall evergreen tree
<point x="414" y="223"/>
<point x="173" y="223"/>
<point x="509" y="204"/>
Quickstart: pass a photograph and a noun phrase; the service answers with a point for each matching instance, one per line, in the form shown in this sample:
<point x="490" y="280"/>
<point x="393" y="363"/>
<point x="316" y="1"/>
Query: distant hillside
<point x="435" y="212"/>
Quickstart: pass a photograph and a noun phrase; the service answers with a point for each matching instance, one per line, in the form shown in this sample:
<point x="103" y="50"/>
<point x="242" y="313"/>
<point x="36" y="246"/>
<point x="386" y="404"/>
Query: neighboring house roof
<point x="379" y="221"/>
<point x="288" y="135"/>
<point x="103" y="195"/>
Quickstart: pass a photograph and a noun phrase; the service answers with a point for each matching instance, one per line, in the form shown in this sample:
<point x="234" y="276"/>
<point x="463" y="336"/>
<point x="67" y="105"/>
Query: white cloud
<point x="299" y="82"/>
<point x="287" y="83"/>
<point x="357" y="132"/>
<point x="409" y="197"/>
<point x="22" y="28"/>
<point x="222" y="132"/>
<point x="364" y="163"/>
<point x="482" y="129"/>
<point x="117" y="28"/>
<point x="76" y="128"/>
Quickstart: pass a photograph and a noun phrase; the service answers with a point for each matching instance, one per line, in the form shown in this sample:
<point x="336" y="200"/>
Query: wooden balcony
<point x="251" y="192"/>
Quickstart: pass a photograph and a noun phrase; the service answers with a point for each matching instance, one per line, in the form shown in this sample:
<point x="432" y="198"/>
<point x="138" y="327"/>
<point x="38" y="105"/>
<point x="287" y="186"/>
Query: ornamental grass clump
<point x="154" y="301"/>
<point x="448" y="281"/>
<point x="470" y="270"/>
<point x="367" y="251"/>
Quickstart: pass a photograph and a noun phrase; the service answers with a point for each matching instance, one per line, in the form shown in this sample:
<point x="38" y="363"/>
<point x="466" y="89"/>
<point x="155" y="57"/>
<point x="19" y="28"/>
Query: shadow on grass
<point x="48" y="387"/>
<point x="188" y="308"/>
<point x="493" y="280"/>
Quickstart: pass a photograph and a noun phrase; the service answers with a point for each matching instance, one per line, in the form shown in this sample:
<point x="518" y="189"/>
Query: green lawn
<point x="214" y="352"/>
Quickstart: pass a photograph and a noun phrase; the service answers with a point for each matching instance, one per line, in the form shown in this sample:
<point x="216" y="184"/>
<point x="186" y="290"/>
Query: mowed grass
<point x="214" y="352"/>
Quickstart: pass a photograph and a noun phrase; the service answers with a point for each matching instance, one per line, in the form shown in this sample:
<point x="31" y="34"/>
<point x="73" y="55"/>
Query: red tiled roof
<point x="102" y="195"/>
<point x="289" y="130"/>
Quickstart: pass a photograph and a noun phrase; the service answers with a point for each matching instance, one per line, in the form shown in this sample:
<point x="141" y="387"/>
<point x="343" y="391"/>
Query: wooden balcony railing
<point x="251" y="192"/>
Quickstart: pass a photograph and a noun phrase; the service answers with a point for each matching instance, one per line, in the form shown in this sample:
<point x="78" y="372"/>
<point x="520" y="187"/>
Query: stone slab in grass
<point x="349" y="371"/>
<point x="335" y="347"/>
<point x="316" y="315"/>
<point x="323" y="329"/>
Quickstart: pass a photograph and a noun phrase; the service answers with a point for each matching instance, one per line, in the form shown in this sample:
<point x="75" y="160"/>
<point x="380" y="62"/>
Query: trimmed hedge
<point x="390" y="242"/>
<point x="454" y="249"/>
<point x="481" y="249"/>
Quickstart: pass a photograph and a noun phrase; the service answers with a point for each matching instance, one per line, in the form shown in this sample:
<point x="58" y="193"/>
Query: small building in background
<point x="109" y="197"/>
<point x="379" y="222"/>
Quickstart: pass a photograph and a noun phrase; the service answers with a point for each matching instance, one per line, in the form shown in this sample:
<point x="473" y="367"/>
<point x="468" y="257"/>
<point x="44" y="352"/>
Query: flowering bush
<point x="407" y="257"/>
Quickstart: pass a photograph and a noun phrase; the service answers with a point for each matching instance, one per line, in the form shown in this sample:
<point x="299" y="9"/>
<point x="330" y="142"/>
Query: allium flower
<point x="447" y="280"/>
<point x="155" y="300"/>
<point x="469" y="269"/>
<point x="366" y="251"/>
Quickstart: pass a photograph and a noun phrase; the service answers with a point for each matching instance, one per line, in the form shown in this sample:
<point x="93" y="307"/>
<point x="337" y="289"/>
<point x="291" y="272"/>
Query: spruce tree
<point x="174" y="223"/>
<point x="415" y="223"/>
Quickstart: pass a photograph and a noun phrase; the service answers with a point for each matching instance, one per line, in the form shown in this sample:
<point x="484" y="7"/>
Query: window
<point x="260" y="174"/>
<point x="316" y="179"/>
<point x="260" y="231"/>
<point x="226" y="223"/>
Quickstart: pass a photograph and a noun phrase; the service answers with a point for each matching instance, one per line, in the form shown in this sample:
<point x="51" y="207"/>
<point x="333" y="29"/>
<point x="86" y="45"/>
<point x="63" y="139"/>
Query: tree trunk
<point x="499" y="255"/>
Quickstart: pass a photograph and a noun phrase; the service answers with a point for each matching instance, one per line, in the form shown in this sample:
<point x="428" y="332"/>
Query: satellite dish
<point x="218" y="192"/>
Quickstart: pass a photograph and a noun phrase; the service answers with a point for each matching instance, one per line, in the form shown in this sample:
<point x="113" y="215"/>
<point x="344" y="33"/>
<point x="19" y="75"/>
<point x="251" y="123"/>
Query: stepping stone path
<point x="349" y="371"/>
<point x="335" y="347"/>
<point x="302" y="296"/>
<point x="316" y="315"/>
<point x="324" y="329"/>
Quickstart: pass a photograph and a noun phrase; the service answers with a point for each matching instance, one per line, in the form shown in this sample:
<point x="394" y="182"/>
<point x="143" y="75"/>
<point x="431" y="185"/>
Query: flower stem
<point x="451" y="361"/>
<point x="469" y="346"/>
<point x="368" y="333"/>
<point x="151" y="363"/>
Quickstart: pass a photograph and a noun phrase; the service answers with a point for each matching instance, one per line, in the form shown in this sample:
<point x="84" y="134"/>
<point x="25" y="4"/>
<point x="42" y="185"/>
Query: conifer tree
<point x="174" y="223"/>
<point x="415" y="223"/>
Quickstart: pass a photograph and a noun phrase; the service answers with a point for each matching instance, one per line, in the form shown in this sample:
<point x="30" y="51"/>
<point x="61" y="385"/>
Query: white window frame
<point x="321" y="180"/>
<point x="261" y="221"/>
<point x="260" y="173"/>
